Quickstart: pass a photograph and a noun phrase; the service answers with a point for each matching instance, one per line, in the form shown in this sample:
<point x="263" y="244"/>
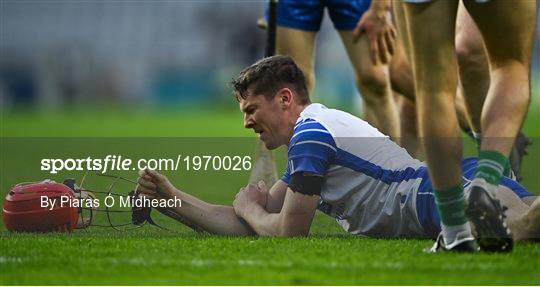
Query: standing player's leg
<point x="408" y="120"/>
<point x="435" y="72"/>
<point x="372" y="77"/>
<point x="297" y="23"/>
<point x="509" y="58"/>
<point x="462" y="114"/>
<point x="373" y="82"/>
<point x="473" y="67"/>
<point x="506" y="102"/>
<point x="401" y="74"/>
<point x="509" y="91"/>
<point x="401" y="78"/>
<point x="474" y="82"/>
<point x="299" y="45"/>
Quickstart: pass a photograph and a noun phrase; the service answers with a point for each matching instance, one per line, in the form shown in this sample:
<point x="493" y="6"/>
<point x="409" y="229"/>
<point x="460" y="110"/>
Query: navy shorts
<point x="426" y="208"/>
<point x="307" y="15"/>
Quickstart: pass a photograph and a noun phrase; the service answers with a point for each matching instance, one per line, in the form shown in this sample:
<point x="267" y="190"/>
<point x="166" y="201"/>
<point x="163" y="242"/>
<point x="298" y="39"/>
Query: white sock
<point x="476" y="135"/>
<point x="455" y="234"/>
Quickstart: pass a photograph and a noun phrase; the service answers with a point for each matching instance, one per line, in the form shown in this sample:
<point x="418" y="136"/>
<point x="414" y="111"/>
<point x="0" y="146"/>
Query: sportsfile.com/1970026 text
<point x="120" y="163"/>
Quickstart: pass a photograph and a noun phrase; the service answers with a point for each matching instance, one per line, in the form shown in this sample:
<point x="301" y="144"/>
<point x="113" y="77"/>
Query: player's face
<point x="266" y="118"/>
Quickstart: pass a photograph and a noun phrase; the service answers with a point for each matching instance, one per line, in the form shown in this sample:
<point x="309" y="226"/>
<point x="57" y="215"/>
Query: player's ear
<point x="286" y="97"/>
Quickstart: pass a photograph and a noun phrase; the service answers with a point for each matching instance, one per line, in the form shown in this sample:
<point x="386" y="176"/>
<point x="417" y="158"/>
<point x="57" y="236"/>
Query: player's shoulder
<point x="336" y="122"/>
<point x="312" y="133"/>
<point x="312" y="123"/>
<point x="308" y="132"/>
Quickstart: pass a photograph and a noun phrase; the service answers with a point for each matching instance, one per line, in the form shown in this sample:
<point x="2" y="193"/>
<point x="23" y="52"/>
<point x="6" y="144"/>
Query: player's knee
<point x="374" y="86"/>
<point x="401" y="79"/>
<point x="470" y="56"/>
<point x="396" y="69"/>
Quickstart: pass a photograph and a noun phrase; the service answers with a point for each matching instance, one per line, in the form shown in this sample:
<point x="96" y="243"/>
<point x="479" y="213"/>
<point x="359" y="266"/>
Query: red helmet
<point x="22" y="210"/>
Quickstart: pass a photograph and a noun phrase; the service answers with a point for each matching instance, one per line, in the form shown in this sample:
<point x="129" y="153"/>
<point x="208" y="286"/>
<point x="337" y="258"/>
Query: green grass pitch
<point x="152" y="256"/>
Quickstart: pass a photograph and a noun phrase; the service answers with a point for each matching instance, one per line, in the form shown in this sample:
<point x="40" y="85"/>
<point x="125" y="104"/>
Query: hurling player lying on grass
<point x="337" y="163"/>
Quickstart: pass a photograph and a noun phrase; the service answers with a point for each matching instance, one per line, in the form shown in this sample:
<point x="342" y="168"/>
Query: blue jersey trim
<point x="287" y="174"/>
<point x="308" y="124"/>
<point x="374" y="171"/>
<point x="301" y="121"/>
<point x="312" y="138"/>
<point x="308" y="164"/>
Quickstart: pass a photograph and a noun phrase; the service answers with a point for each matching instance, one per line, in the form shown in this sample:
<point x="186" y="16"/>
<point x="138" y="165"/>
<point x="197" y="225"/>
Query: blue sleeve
<point x="311" y="149"/>
<point x="287" y="174"/>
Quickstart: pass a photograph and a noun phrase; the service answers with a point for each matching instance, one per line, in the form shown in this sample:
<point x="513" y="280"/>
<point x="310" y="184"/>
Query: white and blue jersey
<point x="370" y="184"/>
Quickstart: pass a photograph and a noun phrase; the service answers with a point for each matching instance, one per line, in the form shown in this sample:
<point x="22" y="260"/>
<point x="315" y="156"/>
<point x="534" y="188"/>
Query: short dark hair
<point x="269" y="75"/>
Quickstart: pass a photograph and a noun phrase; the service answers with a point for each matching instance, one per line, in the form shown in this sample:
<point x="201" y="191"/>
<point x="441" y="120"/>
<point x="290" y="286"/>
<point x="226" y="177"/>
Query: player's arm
<point x="212" y="218"/>
<point x="220" y="219"/>
<point x="275" y="197"/>
<point x="295" y="197"/>
<point x="296" y="214"/>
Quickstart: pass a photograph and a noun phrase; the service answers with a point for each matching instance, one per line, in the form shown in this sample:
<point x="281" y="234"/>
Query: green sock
<point x="451" y="205"/>
<point x="491" y="166"/>
<point x="507" y="170"/>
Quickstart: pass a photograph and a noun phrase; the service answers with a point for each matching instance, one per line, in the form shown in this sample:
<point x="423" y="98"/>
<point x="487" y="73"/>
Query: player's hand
<point x="249" y="195"/>
<point x="377" y="25"/>
<point x="153" y="184"/>
<point x="263" y="193"/>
